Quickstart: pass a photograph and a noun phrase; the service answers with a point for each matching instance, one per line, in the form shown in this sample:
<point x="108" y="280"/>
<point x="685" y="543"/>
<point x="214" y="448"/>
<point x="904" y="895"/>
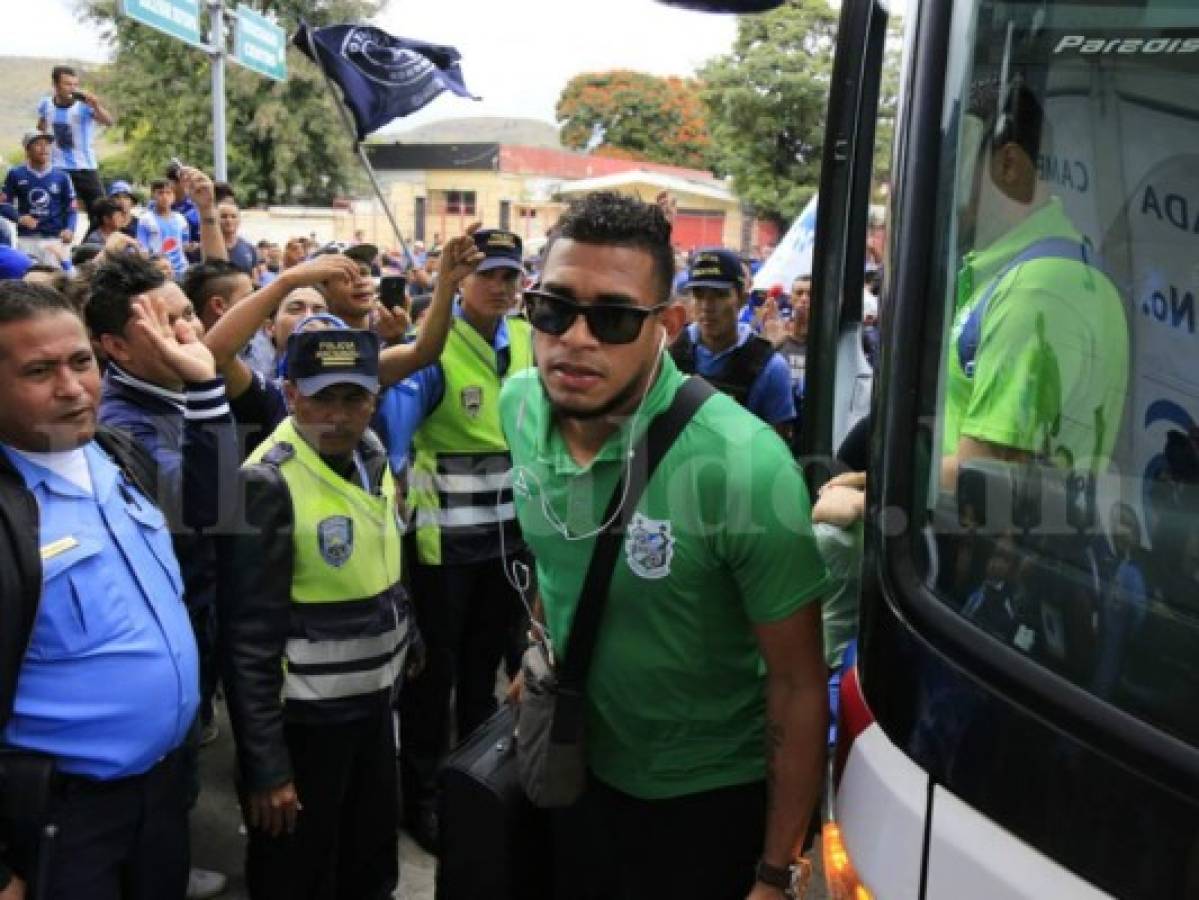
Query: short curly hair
<point x="114" y="285"/>
<point x="605" y="217"/>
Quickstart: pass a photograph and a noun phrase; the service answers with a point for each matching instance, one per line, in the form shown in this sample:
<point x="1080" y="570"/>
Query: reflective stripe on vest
<point x="346" y="552"/>
<point x="389" y="647"/>
<point x="459" y="480"/>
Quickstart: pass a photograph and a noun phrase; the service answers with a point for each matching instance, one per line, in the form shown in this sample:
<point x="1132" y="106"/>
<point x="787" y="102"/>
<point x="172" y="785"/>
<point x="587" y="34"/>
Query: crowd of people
<point x="252" y="474"/>
<point x="354" y="507"/>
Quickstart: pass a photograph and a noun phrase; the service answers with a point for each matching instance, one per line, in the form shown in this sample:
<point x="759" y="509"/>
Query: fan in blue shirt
<point x="162" y="230"/>
<point x="43" y="195"/>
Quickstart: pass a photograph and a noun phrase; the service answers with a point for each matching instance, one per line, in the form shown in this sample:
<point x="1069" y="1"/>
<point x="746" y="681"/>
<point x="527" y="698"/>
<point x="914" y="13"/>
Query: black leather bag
<point x="494" y="843"/>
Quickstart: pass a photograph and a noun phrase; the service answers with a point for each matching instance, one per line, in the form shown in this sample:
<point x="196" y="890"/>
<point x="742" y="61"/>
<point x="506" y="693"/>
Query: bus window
<point x="1061" y="391"/>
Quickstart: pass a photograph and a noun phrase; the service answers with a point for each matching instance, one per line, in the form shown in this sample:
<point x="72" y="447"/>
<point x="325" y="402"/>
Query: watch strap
<point x="774" y="876"/>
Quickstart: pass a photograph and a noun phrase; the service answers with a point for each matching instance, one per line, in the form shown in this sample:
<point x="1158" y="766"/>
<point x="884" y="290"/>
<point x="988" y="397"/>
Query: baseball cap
<point x="501" y="249"/>
<point x="363" y="253"/>
<point x="120" y="187"/>
<point x="715" y="268"/>
<point x="318" y="359"/>
<point x="31" y="136"/>
<point x="13" y="264"/>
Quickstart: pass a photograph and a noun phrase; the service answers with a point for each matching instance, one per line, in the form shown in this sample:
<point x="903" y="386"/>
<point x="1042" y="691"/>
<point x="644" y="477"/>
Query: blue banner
<point x="382" y="77"/>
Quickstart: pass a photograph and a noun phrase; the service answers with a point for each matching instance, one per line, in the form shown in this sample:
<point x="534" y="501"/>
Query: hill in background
<point x="26" y="80"/>
<point x="484" y="130"/>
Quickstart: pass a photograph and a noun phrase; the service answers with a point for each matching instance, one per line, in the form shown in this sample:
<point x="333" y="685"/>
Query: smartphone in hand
<point x="391" y="290"/>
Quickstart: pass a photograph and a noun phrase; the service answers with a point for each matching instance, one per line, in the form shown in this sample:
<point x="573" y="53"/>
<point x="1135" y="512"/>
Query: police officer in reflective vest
<point x="460" y="494"/>
<point x="727" y="353"/>
<point x="315" y="632"/>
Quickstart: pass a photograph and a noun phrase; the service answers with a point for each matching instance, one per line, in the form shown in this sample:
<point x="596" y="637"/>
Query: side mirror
<point x="725" y="6"/>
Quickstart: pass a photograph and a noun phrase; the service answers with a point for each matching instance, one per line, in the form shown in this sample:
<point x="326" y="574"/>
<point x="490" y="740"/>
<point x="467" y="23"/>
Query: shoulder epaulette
<point x="279" y="454"/>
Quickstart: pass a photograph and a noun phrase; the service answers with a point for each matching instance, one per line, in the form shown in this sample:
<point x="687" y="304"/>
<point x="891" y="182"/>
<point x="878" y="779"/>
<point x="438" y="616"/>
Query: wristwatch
<point x="792" y="880"/>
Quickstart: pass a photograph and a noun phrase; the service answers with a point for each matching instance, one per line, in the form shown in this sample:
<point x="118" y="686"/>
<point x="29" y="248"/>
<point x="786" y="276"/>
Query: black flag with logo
<point x="381" y="77"/>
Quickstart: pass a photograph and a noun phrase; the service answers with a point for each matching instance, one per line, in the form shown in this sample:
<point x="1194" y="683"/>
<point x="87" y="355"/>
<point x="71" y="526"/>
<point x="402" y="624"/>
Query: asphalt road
<point x="218" y="842"/>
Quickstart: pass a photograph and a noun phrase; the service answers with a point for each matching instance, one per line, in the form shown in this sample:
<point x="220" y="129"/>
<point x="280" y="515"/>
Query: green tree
<point x="766" y="102"/>
<point x="640" y="117"/>
<point x="285" y="141"/>
<point x="888" y="105"/>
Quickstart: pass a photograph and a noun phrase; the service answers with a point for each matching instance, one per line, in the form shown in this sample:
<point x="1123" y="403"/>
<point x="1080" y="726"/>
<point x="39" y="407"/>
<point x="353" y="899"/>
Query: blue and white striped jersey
<point x="74" y="128"/>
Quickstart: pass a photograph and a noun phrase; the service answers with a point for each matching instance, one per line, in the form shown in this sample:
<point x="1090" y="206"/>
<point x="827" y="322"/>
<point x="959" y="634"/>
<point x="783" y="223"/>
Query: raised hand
<point x="327" y="267"/>
<point x="199" y="186"/>
<point x="460" y="257"/>
<point x="391" y="324"/>
<point x="177" y="346"/>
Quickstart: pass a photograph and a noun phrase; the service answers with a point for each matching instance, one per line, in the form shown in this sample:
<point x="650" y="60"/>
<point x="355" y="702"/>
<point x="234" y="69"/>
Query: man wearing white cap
<point x="44" y="198"/>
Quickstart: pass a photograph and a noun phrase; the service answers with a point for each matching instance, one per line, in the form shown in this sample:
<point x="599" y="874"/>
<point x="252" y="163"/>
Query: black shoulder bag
<point x="550" y="750"/>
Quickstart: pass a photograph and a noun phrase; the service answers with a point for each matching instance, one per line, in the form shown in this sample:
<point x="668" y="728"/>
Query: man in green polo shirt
<point x="709" y="650"/>
<point x="1038" y="356"/>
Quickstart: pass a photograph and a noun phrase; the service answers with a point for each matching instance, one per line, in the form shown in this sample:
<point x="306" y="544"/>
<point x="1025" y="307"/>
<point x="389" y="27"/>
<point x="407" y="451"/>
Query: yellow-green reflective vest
<point x="349" y="629"/>
<point x="460" y="488"/>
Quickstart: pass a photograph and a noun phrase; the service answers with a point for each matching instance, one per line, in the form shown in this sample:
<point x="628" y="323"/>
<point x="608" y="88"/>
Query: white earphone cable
<point x="518" y="574"/>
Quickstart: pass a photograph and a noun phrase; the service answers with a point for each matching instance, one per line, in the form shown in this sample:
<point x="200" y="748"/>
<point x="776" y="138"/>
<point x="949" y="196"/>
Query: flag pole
<point x="358" y="148"/>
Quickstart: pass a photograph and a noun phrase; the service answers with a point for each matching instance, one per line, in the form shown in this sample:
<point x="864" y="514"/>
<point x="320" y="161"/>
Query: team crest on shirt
<point x="472" y="401"/>
<point x="335" y="536"/>
<point x="649" y="547"/>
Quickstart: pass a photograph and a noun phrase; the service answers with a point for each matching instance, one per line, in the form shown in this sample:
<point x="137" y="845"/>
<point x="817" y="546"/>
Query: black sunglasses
<point x="611" y="323"/>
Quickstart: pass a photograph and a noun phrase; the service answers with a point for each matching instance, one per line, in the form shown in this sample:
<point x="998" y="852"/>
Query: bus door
<point x="1029" y="645"/>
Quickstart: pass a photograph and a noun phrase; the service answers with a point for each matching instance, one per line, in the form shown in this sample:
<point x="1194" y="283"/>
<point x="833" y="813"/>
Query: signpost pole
<point x="216" y="52"/>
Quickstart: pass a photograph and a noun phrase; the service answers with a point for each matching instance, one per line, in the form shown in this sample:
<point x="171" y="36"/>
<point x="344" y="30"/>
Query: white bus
<point x="1022" y="719"/>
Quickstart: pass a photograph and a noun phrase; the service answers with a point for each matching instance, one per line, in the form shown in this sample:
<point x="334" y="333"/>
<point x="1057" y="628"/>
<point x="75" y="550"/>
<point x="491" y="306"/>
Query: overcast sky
<point x="516" y="56"/>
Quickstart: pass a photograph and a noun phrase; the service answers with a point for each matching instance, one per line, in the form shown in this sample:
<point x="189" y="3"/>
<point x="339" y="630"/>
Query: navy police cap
<point x="715" y="268"/>
<point x="318" y="359"/>
<point x="501" y="249"/>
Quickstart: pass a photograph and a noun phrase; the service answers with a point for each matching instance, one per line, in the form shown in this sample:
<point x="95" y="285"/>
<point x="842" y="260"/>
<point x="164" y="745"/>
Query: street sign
<point x="178" y="18"/>
<point x="259" y="44"/>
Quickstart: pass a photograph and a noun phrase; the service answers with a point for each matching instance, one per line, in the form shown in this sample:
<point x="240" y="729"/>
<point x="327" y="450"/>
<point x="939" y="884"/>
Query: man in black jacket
<point x="147" y="399"/>
<point x="314" y="631"/>
<point x="98" y="668"/>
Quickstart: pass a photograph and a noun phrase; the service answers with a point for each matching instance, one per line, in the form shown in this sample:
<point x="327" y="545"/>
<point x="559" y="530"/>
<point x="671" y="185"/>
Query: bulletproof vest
<point x="741" y="367"/>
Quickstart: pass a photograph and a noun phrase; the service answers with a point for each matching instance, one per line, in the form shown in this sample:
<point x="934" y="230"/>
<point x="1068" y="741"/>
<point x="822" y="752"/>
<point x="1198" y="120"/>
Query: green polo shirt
<point x="721" y="541"/>
<point x="1051" y="371"/>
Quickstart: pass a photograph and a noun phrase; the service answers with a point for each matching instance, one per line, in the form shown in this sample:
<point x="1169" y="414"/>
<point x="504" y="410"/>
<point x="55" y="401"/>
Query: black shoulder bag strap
<point x="649" y="451"/>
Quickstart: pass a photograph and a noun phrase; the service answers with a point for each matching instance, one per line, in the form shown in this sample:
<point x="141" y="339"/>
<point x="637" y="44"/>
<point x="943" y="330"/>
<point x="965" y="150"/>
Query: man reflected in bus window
<point x="1125" y="600"/>
<point x="1038" y="352"/>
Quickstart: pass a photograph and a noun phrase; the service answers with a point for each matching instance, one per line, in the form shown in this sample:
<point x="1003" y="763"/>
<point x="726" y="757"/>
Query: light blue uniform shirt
<point x="770" y="397"/>
<point x="404" y="406"/>
<point x="74" y="129"/>
<point x="110" y="683"/>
